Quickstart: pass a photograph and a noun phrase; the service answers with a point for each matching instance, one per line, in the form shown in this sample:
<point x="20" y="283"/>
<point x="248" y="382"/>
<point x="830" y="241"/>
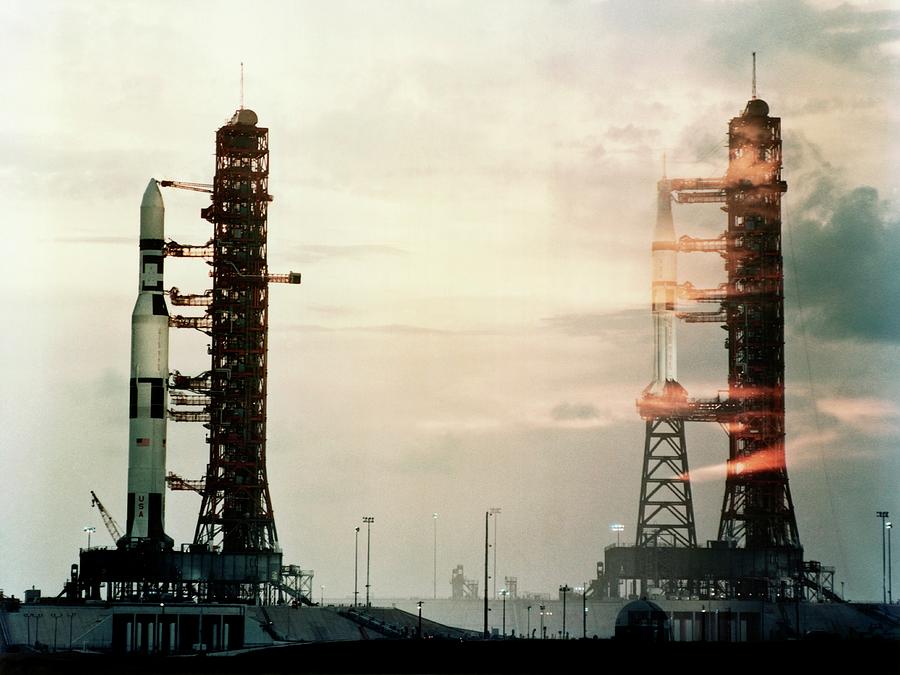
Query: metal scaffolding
<point x="236" y="514"/>
<point x="757" y="551"/>
<point x="757" y="510"/>
<point x="666" y="511"/>
<point x="237" y="510"/>
<point x="235" y="555"/>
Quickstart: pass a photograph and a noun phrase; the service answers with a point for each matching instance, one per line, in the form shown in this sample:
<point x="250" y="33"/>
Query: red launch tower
<point x="757" y="552"/>
<point x="757" y="511"/>
<point x="236" y="512"/>
<point x="237" y="508"/>
<point x="235" y="555"/>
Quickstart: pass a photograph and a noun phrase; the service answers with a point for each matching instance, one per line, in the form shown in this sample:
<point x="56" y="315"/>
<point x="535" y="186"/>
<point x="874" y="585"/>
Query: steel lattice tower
<point x="235" y="556"/>
<point x="757" y="552"/>
<point x="237" y="509"/>
<point x="757" y="510"/>
<point x="666" y="509"/>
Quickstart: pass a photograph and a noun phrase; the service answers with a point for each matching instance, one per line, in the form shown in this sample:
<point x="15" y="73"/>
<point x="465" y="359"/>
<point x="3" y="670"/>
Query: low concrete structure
<point x="690" y="620"/>
<point x="189" y="628"/>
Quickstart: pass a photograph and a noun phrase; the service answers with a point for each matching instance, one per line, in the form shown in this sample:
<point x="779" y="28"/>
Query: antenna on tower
<point x="754" y="74"/>
<point x="242" y="84"/>
<point x="664" y="164"/>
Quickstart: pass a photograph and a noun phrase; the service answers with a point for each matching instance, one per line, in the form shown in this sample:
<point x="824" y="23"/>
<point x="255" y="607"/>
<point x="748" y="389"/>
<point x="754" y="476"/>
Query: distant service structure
<point x="757" y="551"/>
<point x="235" y="556"/>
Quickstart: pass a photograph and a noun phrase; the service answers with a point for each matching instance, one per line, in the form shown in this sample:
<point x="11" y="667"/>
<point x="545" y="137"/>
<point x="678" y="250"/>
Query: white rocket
<point x="148" y="385"/>
<point x="664" y="296"/>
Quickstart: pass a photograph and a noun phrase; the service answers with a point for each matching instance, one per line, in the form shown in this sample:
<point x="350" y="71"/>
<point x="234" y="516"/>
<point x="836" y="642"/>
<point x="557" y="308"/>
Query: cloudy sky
<point x="468" y="189"/>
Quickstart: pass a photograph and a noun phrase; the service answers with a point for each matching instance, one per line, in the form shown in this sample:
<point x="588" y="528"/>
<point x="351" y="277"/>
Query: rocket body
<point x="148" y="385"/>
<point x="664" y="297"/>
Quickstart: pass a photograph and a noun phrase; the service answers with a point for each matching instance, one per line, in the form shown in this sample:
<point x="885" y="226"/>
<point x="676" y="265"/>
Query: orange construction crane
<point x="111" y="525"/>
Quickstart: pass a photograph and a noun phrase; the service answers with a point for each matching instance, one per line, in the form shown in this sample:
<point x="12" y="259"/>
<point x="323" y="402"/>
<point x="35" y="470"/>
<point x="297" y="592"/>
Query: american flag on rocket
<point x="143" y="442"/>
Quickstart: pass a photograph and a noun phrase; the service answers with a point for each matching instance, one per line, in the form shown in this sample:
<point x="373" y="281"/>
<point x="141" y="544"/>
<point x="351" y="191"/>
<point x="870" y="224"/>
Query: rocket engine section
<point x="148" y="386"/>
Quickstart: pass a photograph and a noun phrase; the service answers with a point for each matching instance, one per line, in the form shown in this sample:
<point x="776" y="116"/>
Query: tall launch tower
<point x="235" y="555"/>
<point x="237" y="509"/>
<point x="757" y="510"/>
<point x="230" y="399"/>
<point x="757" y="552"/>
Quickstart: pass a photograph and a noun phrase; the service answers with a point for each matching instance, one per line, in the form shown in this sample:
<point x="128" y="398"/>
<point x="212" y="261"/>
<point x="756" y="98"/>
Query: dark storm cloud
<point x="846" y="35"/>
<point x="843" y="247"/>
<point x="575" y="411"/>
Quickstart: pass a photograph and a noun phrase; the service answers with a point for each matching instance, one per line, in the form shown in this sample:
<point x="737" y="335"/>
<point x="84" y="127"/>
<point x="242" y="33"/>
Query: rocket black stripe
<point x="159" y="306"/>
<point x="154" y="524"/>
<point x="157" y="400"/>
<point x="157" y="396"/>
<point x="132" y="398"/>
<point x="129" y="518"/>
<point x="152" y="244"/>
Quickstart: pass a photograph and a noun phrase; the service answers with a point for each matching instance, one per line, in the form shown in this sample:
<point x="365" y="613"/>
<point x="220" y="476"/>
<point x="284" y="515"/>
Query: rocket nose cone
<point x="152" y="212"/>
<point x="152" y="196"/>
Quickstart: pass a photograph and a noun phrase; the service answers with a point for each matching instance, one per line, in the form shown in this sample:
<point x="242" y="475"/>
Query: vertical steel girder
<point x="757" y="515"/>
<point x="757" y="509"/>
<point x="236" y="512"/>
<point x="666" y="511"/>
